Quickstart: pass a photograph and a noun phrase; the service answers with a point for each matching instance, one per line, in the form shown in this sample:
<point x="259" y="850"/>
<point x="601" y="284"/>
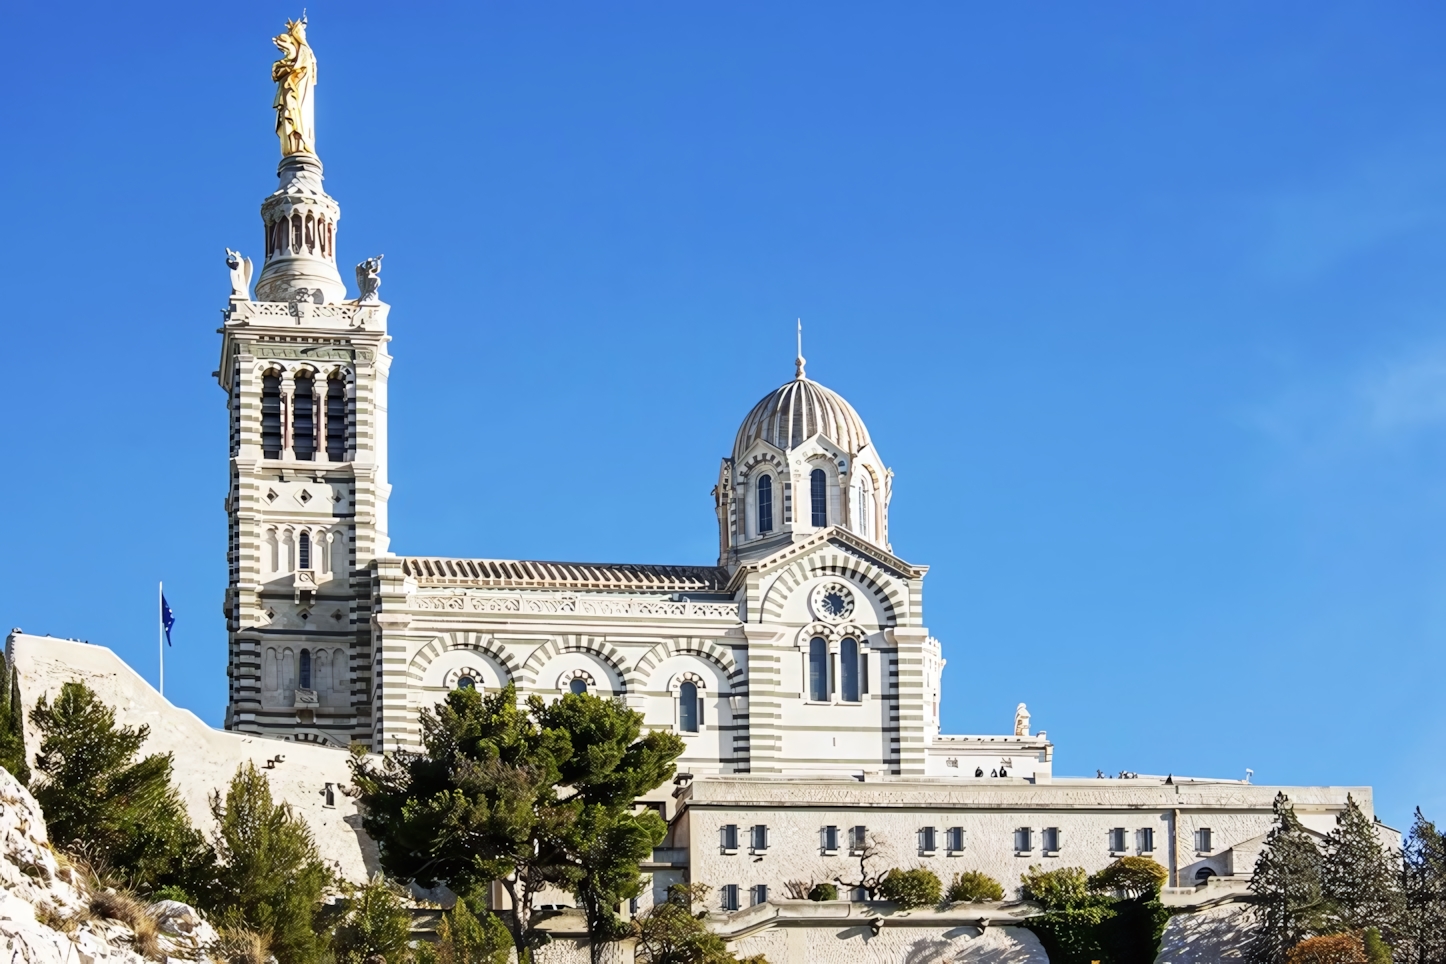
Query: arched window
<point x="303" y="421"/>
<point x="848" y="670"/>
<point x="765" y="504"/>
<point x="306" y="669"/>
<point x="577" y="686"/>
<point x="466" y="683"/>
<point x="865" y="508"/>
<point x="818" y="496"/>
<point x="818" y="670"/>
<point x="303" y="551"/>
<point x="271" y="416"/>
<point x="688" y="707"/>
<point x="335" y="419"/>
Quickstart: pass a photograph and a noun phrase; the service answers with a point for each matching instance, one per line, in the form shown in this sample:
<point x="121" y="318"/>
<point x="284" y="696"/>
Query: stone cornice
<point x="835" y="536"/>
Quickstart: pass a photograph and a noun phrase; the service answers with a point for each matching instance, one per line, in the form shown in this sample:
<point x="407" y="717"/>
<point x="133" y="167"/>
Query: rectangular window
<point x="730" y="897"/>
<point x="1049" y="840"/>
<point x="858" y="894"/>
<point x="1202" y="840"/>
<point x="954" y="839"/>
<point x="1023" y="840"/>
<point x="829" y="839"/>
<point x="858" y="837"/>
<point x="864" y="673"/>
<point x="729" y="837"/>
<point x="758" y="894"/>
<point x="1117" y="840"/>
<point x="926" y="840"/>
<point x="759" y="835"/>
<point x="1145" y="840"/>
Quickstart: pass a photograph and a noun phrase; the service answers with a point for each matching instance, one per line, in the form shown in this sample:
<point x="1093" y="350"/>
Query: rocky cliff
<point x="53" y="912"/>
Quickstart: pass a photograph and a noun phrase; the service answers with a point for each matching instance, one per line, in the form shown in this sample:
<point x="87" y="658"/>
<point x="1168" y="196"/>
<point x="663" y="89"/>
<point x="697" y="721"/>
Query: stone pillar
<point x="913" y="698"/>
<point x="766" y="698"/>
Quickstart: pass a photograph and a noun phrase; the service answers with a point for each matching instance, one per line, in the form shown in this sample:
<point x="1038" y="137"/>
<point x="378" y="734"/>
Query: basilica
<point x="797" y="667"/>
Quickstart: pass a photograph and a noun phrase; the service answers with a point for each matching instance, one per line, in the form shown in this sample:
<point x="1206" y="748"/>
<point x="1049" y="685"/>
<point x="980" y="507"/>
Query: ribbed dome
<point x="802" y="408"/>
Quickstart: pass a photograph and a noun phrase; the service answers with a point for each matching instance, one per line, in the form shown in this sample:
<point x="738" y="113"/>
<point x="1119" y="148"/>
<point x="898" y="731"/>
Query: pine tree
<point x="270" y="878"/>
<point x="12" y="724"/>
<point x="1358" y="880"/>
<point x="122" y="812"/>
<point x="1290" y="905"/>
<point x="1420" y="932"/>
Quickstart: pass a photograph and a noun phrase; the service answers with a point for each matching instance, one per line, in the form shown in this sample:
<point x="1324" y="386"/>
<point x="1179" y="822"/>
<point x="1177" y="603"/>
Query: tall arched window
<point x="335" y="419"/>
<point x="303" y="421"/>
<point x="306" y="669"/>
<point x="271" y="416"/>
<point x="688" y="707"/>
<point x="818" y="496"/>
<point x="818" y="670"/>
<point x="303" y="551"/>
<point x="765" y="504"/>
<point x="865" y="508"/>
<point x="848" y="670"/>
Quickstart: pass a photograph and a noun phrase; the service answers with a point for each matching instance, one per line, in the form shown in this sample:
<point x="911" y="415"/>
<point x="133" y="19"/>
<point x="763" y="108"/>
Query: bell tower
<point x="305" y="376"/>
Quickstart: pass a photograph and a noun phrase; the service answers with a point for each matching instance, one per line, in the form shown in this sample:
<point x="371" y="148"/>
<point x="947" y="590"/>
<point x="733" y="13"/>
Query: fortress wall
<point x="205" y="759"/>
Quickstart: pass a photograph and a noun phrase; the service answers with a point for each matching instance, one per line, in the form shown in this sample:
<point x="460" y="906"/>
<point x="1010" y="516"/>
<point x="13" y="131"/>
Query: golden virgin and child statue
<point x="295" y="103"/>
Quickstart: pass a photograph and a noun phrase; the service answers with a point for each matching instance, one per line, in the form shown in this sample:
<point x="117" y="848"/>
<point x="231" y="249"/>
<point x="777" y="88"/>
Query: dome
<point x="788" y="415"/>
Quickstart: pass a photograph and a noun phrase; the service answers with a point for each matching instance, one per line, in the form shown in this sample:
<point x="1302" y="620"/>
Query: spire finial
<point x="798" y="362"/>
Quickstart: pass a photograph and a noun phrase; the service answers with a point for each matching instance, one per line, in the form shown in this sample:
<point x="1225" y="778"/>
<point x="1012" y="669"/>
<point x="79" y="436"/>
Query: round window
<point x="578" y="686"/>
<point x="833" y="602"/>
<point x="466" y="683"/>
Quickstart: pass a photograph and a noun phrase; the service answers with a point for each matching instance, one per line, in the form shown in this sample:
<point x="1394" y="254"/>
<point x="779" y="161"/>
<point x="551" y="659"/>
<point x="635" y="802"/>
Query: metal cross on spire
<point x="798" y="362"/>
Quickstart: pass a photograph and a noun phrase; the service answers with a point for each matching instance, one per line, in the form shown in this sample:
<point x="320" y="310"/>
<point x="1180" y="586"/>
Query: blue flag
<point x="168" y="619"/>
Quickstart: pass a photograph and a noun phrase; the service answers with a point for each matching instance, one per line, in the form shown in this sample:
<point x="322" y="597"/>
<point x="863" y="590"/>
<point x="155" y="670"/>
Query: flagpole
<point x="161" y="634"/>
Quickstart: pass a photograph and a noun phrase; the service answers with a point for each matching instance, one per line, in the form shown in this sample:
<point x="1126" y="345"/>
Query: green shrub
<point x="823" y="891"/>
<point x="467" y="938"/>
<point x="1102" y="929"/>
<point x="377" y="924"/>
<point x="1377" y="952"/>
<point x="1130" y="877"/>
<point x="911" y="888"/>
<point x="270" y="879"/>
<point x="974" y="885"/>
<point x="1061" y="889"/>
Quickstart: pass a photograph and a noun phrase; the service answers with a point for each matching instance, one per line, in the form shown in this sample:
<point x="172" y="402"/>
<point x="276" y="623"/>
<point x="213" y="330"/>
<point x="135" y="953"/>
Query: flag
<point x="168" y="619"/>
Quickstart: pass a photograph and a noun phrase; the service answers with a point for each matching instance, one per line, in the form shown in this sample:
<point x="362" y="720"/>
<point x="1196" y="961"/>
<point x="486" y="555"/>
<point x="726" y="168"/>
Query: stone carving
<point x="568" y="604"/>
<point x="265" y="350"/>
<point x="240" y="275"/>
<point x="1021" y="721"/>
<point x="295" y="103"/>
<point x="369" y="281"/>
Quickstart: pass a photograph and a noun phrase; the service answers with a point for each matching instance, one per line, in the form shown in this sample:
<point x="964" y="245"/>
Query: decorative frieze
<point x="568" y="604"/>
<point x="269" y="349"/>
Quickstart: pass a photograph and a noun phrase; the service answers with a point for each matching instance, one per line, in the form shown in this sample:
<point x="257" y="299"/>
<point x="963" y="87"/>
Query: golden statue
<point x="295" y="76"/>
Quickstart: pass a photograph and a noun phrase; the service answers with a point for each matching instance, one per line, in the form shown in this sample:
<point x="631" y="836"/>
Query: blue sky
<point x="1143" y="303"/>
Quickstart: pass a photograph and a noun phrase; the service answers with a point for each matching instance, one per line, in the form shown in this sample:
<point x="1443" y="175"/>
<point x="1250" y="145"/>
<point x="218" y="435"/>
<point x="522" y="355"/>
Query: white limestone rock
<point x="36" y="891"/>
